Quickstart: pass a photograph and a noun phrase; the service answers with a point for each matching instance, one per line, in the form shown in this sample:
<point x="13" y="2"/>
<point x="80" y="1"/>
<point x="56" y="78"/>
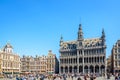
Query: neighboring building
<point x="83" y="55"/>
<point x="35" y="65"/>
<point x="10" y="61"/>
<point x="30" y="64"/>
<point x="24" y="64"/>
<point x="52" y="63"/>
<point x="0" y="65"/>
<point x="40" y="64"/>
<point x="116" y="57"/>
<point x="109" y="65"/>
<point x="43" y="64"/>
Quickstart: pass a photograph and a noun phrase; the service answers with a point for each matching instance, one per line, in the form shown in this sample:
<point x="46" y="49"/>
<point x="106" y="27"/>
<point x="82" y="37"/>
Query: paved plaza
<point x="98" y="78"/>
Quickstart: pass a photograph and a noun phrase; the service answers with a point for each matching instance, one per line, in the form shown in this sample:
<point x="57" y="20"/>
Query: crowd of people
<point x="64" y="76"/>
<point x="57" y="77"/>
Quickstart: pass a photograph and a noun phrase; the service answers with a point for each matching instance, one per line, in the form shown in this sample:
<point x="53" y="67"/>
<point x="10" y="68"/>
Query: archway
<point x="61" y="69"/>
<point x="66" y="69"/>
<point x="102" y="69"/>
<point x="91" y="69"/>
<point x="96" y="69"/>
<point x="86" y="69"/>
<point x="80" y="69"/>
<point x="70" y="69"/>
<point x="75" y="69"/>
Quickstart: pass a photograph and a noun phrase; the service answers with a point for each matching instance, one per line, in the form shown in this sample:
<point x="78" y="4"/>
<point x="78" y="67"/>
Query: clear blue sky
<point x="35" y="26"/>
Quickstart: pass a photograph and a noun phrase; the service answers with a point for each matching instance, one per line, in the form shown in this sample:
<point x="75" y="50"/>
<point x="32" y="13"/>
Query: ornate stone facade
<point x="30" y="64"/>
<point x="52" y="63"/>
<point x="40" y="64"/>
<point x="116" y="57"/>
<point x="10" y="61"/>
<point x="83" y="55"/>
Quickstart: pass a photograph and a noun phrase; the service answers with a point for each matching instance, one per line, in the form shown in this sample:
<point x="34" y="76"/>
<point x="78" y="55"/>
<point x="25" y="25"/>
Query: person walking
<point x="85" y="78"/>
<point x="91" y="77"/>
<point x="79" y="78"/>
<point x="64" y="77"/>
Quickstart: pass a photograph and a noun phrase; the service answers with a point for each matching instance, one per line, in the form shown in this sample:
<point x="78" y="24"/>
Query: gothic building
<point x="83" y="55"/>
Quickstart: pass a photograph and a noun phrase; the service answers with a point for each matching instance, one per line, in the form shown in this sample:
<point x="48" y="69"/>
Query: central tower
<point x="80" y="36"/>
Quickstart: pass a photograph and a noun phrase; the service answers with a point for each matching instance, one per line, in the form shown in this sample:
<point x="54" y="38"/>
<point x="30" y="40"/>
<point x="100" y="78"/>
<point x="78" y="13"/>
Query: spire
<point x="80" y="27"/>
<point x="61" y="40"/>
<point x="103" y="37"/>
<point x="103" y="34"/>
<point x="80" y="33"/>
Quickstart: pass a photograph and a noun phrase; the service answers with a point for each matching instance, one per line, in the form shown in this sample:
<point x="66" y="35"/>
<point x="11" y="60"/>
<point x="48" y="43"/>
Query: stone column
<point x="63" y="70"/>
<point x="99" y="70"/>
<point x="60" y="63"/>
<point x="77" y="61"/>
<point x="88" y="69"/>
<point x="72" y="69"/>
<point x="105" y="61"/>
<point x="68" y="70"/>
<point x="83" y="60"/>
<point x="59" y="69"/>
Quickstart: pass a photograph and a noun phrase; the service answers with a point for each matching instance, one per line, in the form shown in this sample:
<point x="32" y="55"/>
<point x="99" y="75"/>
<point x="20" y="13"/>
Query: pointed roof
<point x="80" y="26"/>
<point x="80" y="33"/>
<point x="103" y="33"/>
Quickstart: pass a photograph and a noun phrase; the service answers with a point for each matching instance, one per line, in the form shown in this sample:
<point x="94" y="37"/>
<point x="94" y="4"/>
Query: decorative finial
<point x="103" y="37"/>
<point x="80" y="26"/>
<point x="61" y="39"/>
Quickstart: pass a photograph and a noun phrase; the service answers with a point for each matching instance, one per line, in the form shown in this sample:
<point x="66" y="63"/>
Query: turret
<point x="80" y="33"/>
<point x="80" y="36"/>
<point x="61" y="40"/>
<point x="103" y="37"/>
